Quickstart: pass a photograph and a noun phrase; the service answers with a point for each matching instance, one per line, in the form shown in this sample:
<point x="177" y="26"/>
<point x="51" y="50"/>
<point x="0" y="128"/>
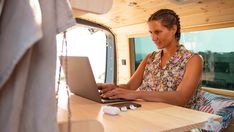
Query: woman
<point x="171" y="75"/>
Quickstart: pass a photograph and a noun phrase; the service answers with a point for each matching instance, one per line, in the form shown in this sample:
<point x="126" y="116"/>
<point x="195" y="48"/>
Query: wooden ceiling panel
<point x="130" y="12"/>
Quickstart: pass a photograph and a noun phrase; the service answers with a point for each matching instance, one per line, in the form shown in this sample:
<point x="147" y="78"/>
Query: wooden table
<point x="151" y="117"/>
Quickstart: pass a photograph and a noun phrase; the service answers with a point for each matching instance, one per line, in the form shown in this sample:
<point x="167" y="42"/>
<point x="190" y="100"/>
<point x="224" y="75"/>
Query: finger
<point x="112" y="94"/>
<point x="114" y="97"/>
<point x="109" y="94"/>
<point x="106" y="90"/>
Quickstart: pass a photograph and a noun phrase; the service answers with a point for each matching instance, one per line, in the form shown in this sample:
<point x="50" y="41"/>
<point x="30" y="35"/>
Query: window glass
<point x="216" y="47"/>
<point x="83" y="41"/>
<point x="143" y="46"/>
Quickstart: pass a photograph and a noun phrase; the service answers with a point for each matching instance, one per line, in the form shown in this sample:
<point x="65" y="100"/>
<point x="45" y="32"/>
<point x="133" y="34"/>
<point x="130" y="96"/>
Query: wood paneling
<point x="130" y="12"/>
<point x="220" y="92"/>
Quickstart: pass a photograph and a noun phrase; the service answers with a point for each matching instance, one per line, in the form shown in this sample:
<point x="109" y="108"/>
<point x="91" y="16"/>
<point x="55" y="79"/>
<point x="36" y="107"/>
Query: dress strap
<point x="152" y="56"/>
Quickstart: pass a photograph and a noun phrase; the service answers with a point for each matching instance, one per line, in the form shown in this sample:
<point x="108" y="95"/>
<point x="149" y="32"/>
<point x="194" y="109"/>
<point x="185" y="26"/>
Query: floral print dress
<point x="169" y="77"/>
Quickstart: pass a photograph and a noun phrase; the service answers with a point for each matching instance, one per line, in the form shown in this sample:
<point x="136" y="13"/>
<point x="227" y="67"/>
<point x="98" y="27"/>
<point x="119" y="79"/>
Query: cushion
<point x="219" y="105"/>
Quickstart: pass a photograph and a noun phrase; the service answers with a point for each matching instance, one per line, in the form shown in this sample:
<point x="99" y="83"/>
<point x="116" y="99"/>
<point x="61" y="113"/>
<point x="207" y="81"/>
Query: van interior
<point x="112" y="34"/>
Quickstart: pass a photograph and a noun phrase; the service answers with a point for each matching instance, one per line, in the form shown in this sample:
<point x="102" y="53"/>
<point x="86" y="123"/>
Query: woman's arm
<point x="133" y="83"/>
<point x="136" y="79"/>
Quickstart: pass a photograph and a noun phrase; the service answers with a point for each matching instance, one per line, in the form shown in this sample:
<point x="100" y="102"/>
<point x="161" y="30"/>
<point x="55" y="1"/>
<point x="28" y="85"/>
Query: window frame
<point x="111" y="69"/>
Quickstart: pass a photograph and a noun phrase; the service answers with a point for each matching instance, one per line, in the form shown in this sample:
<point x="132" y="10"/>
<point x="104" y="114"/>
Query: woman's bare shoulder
<point x="196" y="58"/>
<point x="195" y="61"/>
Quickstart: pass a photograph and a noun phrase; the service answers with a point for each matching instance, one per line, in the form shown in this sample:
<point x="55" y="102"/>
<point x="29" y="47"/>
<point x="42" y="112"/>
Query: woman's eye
<point x="157" y="32"/>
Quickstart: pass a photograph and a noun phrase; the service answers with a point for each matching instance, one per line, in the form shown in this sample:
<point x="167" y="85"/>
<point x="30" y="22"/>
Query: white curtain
<point x="28" y="31"/>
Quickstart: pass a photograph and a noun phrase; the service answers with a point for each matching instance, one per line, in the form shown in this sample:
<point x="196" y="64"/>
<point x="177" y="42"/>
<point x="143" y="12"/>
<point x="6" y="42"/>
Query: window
<point x="142" y="46"/>
<point x="216" y="47"/>
<point x="97" y="43"/>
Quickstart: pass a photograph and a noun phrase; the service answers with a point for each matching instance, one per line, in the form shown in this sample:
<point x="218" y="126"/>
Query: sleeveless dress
<point x="169" y="77"/>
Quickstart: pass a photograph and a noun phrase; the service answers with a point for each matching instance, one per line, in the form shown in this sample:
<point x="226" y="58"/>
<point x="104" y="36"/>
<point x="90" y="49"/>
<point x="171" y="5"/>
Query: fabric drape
<point x="28" y="31"/>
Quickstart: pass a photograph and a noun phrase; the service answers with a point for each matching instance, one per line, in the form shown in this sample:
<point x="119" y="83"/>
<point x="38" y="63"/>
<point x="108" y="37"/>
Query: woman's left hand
<point x="120" y="93"/>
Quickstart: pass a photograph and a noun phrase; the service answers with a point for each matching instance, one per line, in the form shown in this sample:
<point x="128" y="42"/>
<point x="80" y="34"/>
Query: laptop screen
<point x="80" y="78"/>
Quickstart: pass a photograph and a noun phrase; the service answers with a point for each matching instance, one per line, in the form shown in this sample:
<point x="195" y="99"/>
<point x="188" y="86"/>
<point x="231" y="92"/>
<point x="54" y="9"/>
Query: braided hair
<point x="168" y="18"/>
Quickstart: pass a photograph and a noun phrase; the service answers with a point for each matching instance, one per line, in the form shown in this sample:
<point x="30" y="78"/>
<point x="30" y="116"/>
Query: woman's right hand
<point x="105" y="87"/>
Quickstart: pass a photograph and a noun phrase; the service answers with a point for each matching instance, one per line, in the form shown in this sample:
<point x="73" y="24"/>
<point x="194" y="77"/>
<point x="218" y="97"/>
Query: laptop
<point x="81" y="80"/>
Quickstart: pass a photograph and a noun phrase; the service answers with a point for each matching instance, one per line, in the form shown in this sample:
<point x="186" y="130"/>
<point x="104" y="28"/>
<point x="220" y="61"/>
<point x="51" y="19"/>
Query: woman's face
<point x="161" y="35"/>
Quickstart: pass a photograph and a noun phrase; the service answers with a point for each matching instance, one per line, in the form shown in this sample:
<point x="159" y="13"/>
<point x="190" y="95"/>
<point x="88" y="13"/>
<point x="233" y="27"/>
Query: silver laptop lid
<point x="80" y="77"/>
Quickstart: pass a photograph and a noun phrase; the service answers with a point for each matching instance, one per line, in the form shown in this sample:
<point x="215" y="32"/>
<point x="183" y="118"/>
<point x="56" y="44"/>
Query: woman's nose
<point x="154" y="37"/>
